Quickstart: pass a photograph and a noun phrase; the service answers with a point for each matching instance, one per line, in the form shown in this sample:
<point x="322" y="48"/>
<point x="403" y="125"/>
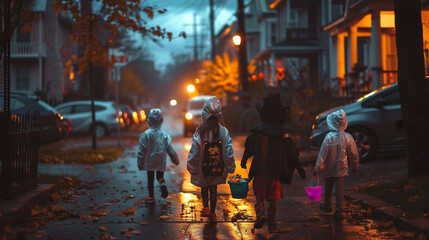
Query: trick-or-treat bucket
<point x="239" y="189"/>
<point x="314" y="193"/>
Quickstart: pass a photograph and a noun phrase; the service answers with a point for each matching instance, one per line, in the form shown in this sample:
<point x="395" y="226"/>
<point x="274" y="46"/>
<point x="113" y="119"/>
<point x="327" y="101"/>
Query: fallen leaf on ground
<point x="325" y="225"/>
<point x="306" y="225"/>
<point x="144" y="223"/>
<point x="127" y="211"/>
<point x="34" y="212"/>
<point x="126" y="197"/>
<point x="55" y="196"/>
<point x="123" y="171"/>
<point x="129" y="236"/>
<point x="97" y="213"/>
<point x="109" y="170"/>
<point x="414" y="198"/>
<point x="89" y="167"/>
<point x="103" y="229"/>
<point x="269" y="236"/>
<point x="285" y="229"/>
<point x="113" y="200"/>
<point x="164" y="217"/>
<point x="8" y="229"/>
<point x="385" y="224"/>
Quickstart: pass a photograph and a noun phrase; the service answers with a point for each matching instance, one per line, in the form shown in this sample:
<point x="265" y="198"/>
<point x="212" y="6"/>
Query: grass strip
<point x="411" y="194"/>
<point x="82" y="155"/>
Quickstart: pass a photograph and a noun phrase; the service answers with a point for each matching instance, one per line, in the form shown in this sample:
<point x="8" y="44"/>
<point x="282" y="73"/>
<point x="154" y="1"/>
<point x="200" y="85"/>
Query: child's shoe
<point x="212" y="217"/>
<point x="149" y="200"/>
<point x="164" y="191"/>
<point x="272" y="224"/>
<point x="205" y="212"/>
<point x="260" y="221"/>
<point x="327" y="210"/>
<point x="338" y="216"/>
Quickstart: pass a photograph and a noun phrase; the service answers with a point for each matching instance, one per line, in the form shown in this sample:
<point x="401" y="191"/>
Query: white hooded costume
<point x="338" y="148"/>
<point x="211" y="108"/>
<point x="155" y="144"/>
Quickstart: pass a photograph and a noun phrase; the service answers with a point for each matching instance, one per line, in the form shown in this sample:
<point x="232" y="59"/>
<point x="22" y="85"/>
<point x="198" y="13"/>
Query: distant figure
<point x="275" y="157"/>
<point x="154" y="146"/>
<point x="211" y="157"/>
<point x="337" y="151"/>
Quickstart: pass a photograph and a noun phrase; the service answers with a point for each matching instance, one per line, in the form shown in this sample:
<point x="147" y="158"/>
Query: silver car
<point x="375" y="121"/>
<point x="79" y="112"/>
<point x="193" y="114"/>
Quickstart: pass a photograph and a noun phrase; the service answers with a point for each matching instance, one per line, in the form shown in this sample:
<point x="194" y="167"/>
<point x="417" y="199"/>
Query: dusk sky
<point x="178" y="18"/>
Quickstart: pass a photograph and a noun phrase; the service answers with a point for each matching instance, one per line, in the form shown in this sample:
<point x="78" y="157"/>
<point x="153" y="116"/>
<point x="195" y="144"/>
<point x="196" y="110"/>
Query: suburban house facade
<point x="348" y="46"/>
<point x="363" y="45"/>
<point x="38" y="56"/>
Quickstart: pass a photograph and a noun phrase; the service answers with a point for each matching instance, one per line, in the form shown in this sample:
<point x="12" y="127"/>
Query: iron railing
<point x="32" y="49"/>
<point x="19" y="164"/>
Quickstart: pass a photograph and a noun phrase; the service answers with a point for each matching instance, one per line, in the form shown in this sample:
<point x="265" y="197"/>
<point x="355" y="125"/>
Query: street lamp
<point x="190" y="88"/>
<point x="173" y="102"/>
<point x="236" y="39"/>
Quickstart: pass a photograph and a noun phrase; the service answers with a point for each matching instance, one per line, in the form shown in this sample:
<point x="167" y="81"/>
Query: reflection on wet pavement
<point x="110" y="204"/>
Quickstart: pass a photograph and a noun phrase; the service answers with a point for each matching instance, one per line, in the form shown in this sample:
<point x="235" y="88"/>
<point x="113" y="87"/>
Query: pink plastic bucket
<point x="314" y="193"/>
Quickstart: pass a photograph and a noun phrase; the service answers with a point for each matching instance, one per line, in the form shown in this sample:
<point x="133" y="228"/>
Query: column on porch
<point x="340" y="67"/>
<point x="376" y="66"/>
<point x="352" y="51"/>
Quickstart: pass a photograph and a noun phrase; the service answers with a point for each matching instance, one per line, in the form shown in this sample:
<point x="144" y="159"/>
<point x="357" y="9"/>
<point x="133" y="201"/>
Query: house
<point x="38" y="57"/>
<point x="293" y="49"/>
<point x="363" y="45"/>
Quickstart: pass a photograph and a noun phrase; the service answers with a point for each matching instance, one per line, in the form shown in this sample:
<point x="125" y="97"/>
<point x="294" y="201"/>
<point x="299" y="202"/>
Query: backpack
<point x="212" y="164"/>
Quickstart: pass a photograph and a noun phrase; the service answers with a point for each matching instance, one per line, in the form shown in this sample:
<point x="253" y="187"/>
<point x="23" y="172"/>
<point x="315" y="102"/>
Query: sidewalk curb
<point x="388" y="211"/>
<point x="13" y="211"/>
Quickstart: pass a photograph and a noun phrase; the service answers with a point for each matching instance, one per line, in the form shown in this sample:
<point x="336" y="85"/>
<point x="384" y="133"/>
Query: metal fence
<point x="19" y="156"/>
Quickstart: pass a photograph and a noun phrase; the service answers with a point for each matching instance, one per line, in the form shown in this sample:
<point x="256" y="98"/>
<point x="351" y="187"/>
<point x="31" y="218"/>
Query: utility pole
<point x="212" y="36"/>
<point x="196" y="47"/>
<point x="195" y="37"/>
<point x="242" y="52"/>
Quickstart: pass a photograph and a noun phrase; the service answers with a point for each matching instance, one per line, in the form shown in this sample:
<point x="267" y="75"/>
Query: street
<point x="110" y="203"/>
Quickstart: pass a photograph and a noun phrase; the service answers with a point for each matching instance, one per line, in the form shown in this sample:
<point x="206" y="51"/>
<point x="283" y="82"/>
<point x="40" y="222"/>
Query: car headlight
<point x="188" y="116"/>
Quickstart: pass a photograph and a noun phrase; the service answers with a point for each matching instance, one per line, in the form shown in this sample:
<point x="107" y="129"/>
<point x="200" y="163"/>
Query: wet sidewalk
<point x="110" y="204"/>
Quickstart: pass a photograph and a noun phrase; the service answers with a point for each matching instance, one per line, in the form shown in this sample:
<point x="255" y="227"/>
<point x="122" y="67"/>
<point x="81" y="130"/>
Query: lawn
<point x="54" y="153"/>
<point x="411" y="194"/>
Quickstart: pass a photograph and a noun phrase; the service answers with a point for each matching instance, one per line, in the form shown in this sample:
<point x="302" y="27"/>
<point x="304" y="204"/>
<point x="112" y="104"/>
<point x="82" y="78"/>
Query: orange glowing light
<point x="261" y="75"/>
<point x="254" y="77"/>
<point x="236" y="39"/>
<point x="190" y="88"/>
<point x="189" y="116"/>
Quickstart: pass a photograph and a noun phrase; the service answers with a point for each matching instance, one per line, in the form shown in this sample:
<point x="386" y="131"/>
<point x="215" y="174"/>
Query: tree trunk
<point x="413" y="86"/>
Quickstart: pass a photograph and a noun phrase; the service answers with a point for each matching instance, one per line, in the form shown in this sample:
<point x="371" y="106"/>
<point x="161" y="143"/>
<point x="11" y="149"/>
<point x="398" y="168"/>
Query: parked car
<point x="79" y="113"/>
<point x="129" y="115"/>
<point x="375" y="121"/>
<point x="193" y="114"/>
<point x="49" y="120"/>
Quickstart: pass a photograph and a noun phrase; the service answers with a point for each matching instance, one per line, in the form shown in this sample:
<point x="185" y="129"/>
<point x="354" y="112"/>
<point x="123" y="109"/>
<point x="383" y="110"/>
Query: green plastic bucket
<point x="239" y="189"/>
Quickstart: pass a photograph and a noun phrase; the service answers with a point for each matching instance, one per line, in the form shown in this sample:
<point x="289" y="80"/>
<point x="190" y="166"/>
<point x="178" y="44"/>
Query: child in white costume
<point x="154" y="146"/>
<point x="337" y="150"/>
